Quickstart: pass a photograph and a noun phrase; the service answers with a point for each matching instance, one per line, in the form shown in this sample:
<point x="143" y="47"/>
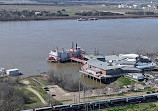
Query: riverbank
<point x="46" y="91"/>
<point x="34" y="88"/>
<point x="153" y="106"/>
<point x="38" y="92"/>
<point x="77" y="17"/>
<point x="53" y="92"/>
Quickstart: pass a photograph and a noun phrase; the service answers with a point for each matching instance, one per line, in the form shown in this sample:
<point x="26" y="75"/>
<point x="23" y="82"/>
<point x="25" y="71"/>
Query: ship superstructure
<point x="65" y="55"/>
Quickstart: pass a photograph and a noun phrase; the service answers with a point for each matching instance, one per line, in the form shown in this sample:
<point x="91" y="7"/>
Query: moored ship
<point x="65" y="55"/>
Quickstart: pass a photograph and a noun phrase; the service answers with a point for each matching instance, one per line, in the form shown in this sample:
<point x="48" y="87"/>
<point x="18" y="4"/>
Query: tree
<point x="11" y="97"/>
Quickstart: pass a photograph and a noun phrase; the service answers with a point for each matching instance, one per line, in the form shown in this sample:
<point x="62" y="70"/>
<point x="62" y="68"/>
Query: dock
<point x="78" y="60"/>
<point x="100" y="79"/>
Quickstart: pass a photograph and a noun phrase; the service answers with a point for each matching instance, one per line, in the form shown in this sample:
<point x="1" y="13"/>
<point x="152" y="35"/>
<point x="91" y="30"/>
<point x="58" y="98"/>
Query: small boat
<point x="93" y="19"/>
<point x="81" y="19"/>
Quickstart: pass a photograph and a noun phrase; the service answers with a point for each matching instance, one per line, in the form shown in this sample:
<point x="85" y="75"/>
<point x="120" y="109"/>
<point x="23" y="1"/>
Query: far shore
<point x="77" y="17"/>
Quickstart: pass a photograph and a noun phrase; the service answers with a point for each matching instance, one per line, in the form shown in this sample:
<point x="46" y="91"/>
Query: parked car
<point x="53" y="95"/>
<point x="141" y="88"/>
<point x="46" y="88"/>
<point x="128" y="86"/>
<point x="146" y="87"/>
<point x="121" y="87"/>
<point x="148" y="92"/>
<point x="136" y="89"/>
<point x="153" y="91"/>
<point x="121" y="91"/>
<point x="143" y="84"/>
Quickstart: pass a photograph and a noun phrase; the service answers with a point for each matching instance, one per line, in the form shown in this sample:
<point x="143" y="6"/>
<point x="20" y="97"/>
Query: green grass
<point x="69" y="13"/>
<point x="42" y="92"/>
<point x="93" y="97"/>
<point x="33" y="99"/>
<point x="124" y="81"/>
<point x="32" y="82"/>
<point x="142" y="90"/>
<point x="46" y="96"/>
<point x="39" y="88"/>
<point x="43" y="81"/>
<point x="134" y="107"/>
<point x="148" y="89"/>
<point x="66" y="100"/>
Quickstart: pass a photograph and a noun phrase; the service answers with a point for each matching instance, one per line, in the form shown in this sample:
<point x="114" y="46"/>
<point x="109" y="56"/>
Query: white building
<point x="13" y="72"/>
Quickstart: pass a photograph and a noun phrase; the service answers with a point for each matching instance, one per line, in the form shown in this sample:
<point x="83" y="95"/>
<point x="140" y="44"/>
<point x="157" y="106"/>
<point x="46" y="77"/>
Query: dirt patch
<point x="76" y="97"/>
<point x="25" y="82"/>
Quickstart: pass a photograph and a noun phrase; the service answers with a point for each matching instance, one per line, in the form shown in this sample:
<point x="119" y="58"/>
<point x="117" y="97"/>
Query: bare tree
<point x="64" y="81"/>
<point x="11" y="97"/>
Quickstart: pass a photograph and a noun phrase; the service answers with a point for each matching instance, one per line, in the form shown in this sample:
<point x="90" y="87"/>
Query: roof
<point x="93" y="56"/>
<point x="12" y="69"/>
<point x="129" y="55"/>
<point x="131" y="68"/>
<point x="28" y="110"/>
<point x="145" y="65"/>
<point x="113" y="57"/>
<point x="124" y="62"/>
<point x="101" y="65"/>
<point x="139" y="76"/>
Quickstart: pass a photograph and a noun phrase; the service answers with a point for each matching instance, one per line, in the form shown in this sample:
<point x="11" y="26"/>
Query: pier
<point x="100" y="79"/>
<point x="78" y="60"/>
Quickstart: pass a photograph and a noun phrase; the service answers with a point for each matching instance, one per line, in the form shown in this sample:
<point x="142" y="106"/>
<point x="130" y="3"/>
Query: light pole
<point x="49" y="98"/>
<point x="74" y="98"/>
<point x="79" y="90"/>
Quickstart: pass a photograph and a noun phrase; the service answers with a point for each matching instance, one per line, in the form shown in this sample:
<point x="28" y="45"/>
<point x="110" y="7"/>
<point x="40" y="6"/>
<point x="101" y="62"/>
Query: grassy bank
<point x="34" y="101"/>
<point x="124" y="81"/>
<point x="134" y="107"/>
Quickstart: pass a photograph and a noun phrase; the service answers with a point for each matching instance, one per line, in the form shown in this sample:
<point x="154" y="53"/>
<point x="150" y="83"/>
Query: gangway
<point x="78" y="60"/>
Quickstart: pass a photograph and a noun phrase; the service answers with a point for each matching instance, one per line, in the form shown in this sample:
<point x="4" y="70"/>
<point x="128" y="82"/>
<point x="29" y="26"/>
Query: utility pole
<point x="49" y="103"/>
<point x="79" y="90"/>
<point x="84" y="97"/>
<point x="99" y="94"/>
<point x="74" y="98"/>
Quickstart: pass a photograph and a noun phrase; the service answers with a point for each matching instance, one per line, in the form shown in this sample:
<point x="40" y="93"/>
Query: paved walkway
<point x="34" y="91"/>
<point x="37" y="94"/>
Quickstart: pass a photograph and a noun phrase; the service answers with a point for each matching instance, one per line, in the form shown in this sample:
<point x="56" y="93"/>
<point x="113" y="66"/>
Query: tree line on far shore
<point x="97" y="13"/>
<point x="141" y="13"/>
<point x="28" y="14"/>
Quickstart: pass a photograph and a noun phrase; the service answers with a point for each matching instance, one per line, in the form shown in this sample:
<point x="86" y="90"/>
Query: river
<point x="26" y="44"/>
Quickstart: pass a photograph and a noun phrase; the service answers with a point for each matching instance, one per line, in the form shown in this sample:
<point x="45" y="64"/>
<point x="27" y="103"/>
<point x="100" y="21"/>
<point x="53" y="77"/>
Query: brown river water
<point x="26" y="44"/>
